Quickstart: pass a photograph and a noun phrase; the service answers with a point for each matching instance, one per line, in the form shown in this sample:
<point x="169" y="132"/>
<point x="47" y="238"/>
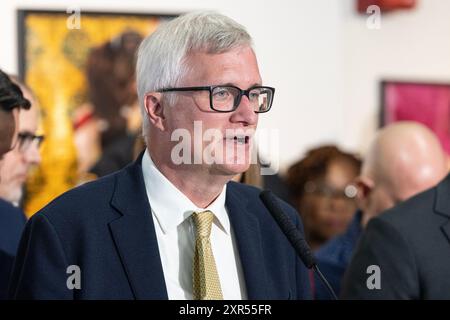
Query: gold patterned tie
<point x="206" y="283"/>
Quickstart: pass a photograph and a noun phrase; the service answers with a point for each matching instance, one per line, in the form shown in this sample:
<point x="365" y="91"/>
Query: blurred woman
<point x="322" y="191"/>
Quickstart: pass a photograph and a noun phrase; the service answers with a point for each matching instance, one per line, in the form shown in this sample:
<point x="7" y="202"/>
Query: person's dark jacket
<point x="410" y="244"/>
<point x="105" y="228"/>
<point x="12" y="222"/>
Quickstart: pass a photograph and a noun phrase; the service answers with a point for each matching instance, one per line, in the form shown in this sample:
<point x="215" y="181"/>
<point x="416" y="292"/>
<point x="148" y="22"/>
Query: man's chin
<point x="231" y="169"/>
<point x="12" y="197"/>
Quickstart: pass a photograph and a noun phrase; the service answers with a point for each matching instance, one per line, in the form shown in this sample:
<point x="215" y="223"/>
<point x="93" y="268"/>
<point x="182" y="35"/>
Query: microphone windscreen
<point x="288" y="228"/>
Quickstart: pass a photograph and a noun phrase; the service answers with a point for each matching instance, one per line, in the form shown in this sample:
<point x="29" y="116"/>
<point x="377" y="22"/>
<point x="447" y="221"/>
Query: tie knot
<point x="203" y="222"/>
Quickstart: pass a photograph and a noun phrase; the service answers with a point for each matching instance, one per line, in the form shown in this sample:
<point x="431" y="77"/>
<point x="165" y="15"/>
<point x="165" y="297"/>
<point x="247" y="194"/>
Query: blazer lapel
<point x="248" y="237"/>
<point x="134" y="235"/>
<point x="446" y="229"/>
<point x="442" y="206"/>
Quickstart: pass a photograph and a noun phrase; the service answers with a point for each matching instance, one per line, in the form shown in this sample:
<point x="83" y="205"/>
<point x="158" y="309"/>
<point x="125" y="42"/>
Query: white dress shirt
<point x="175" y="232"/>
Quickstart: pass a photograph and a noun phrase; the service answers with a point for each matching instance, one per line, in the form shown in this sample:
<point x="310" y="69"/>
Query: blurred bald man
<point x="403" y="253"/>
<point x="404" y="159"/>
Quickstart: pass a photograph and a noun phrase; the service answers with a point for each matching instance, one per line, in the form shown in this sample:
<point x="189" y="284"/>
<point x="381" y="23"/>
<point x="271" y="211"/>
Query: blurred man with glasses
<point x="25" y="154"/>
<point x="12" y="220"/>
<point x="159" y="229"/>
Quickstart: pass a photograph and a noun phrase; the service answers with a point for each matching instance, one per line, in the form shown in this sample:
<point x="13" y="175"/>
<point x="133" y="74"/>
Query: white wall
<point x="297" y="43"/>
<point x="323" y="60"/>
<point x="410" y="45"/>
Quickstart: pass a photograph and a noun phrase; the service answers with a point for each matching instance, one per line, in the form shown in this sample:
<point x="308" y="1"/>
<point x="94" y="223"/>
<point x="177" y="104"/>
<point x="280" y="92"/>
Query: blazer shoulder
<point x="411" y="209"/>
<point x="81" y="200"/>
<point x="414" y="220"/>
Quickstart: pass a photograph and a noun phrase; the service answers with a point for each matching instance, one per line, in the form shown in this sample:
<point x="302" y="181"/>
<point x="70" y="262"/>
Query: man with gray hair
<point x="172" y="225"/>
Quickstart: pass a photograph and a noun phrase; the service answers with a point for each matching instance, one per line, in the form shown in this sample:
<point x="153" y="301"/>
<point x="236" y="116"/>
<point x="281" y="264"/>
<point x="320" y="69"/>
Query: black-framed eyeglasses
<point x="228" y="98"/>
<point x="349" y="192"/>
<point x="26" y="139"/>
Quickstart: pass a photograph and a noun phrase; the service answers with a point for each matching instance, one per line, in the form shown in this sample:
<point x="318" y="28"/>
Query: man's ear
<point x="154" y="109"/>
<point x="364" y="186"/>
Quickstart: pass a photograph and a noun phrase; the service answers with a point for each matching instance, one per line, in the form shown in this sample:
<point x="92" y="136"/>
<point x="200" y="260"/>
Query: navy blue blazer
<point x="12" y="222"/>
<point x="105" y="227"/>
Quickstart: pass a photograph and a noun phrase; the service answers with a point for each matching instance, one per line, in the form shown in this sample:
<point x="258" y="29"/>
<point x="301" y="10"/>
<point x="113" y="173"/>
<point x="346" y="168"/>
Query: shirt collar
<point x="170" y="206"/>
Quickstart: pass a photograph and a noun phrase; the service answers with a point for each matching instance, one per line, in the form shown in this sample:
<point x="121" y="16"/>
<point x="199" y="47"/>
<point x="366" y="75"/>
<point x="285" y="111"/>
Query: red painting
<point x="428" y="104"/>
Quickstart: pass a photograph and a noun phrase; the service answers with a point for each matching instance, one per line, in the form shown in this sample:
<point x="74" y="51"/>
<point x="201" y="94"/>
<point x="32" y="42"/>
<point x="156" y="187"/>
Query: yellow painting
<point x="53" y="65"/>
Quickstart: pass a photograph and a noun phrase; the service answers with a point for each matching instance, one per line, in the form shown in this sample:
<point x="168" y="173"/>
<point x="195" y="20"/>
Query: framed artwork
<point x="427" y="103"/>
<point x="52" y="62"/>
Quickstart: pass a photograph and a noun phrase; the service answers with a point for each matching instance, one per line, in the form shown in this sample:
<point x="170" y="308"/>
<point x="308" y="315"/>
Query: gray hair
<point x="161" y="61"/>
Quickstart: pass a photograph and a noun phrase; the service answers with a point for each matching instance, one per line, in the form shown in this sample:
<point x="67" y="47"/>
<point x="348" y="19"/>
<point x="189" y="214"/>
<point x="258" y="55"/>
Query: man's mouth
<point x="240" y="139"/>
<point x="21" y="178"/>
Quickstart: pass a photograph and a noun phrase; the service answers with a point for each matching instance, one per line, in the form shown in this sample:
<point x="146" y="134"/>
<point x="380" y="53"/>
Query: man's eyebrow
<point x="234" y="85"/>
<point x="27" y="132"/>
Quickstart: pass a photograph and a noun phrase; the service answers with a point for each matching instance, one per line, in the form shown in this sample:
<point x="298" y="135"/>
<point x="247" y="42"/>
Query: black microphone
<point x="294" y="236"/>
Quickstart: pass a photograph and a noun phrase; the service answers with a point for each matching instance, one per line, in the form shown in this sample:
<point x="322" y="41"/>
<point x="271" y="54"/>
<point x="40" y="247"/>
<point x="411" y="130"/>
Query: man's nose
<point x="33" y="155"/>
<point x="245" y="113"/>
